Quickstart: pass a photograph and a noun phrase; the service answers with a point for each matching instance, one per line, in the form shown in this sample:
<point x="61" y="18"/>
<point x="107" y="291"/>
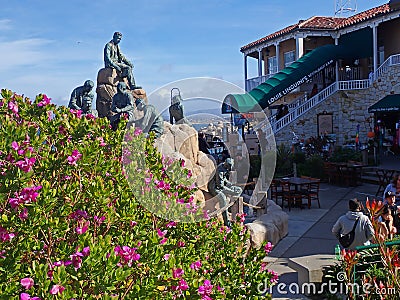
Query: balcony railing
<point x="354" y="84"/>
<point x="256" y="81"/>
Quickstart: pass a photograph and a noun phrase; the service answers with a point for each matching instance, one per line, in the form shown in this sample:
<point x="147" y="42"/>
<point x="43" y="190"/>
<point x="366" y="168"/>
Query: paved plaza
<point x="310" y="229"/>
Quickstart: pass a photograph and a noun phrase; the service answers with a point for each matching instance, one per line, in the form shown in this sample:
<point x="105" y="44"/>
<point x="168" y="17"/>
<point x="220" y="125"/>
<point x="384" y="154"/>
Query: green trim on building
<point x="354" y="45"/>
<point x="388" y="103"/>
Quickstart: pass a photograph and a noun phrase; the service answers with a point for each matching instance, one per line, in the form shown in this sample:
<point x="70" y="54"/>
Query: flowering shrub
<point x="71" y="227"/>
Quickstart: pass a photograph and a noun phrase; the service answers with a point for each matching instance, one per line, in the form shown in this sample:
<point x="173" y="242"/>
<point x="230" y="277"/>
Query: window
<point x="272" y="65"/>
<point x="288" y="58"/>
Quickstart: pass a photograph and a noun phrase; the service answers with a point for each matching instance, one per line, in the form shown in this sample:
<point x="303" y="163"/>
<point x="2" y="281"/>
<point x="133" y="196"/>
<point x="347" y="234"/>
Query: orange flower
<point x="349" y="256"/>
<point x="373" y="207"/>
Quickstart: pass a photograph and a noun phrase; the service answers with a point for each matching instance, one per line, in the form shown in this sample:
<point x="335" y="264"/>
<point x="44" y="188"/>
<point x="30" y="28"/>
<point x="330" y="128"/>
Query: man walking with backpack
<point x="363" y="229"/>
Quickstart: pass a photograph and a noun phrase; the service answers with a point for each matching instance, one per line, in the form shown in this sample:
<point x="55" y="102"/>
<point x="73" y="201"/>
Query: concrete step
<point x="309" y="268"/>
<point x="287" y="278"/>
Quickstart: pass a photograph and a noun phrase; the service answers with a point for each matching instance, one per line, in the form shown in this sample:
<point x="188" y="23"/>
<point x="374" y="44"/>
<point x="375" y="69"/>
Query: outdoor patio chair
<point x="312" y="192"/>
<point x="291" y="196"/>
<point x="276" y="190"/>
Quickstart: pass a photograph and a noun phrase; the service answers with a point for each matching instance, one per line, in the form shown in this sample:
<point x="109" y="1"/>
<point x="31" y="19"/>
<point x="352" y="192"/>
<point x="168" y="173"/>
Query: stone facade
<point x="349" y="108"/>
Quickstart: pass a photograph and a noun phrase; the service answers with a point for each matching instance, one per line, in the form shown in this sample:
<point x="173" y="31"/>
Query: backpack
<point x="347" y="239"/>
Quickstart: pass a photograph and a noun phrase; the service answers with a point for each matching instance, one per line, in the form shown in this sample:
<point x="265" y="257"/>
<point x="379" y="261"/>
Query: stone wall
<point x="349" y="108"/>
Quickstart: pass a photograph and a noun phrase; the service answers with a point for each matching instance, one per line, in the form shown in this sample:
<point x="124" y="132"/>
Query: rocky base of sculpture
<point x="107" y="81"/>
<point x="271" y="227"/>
<point x="180" y="141"/>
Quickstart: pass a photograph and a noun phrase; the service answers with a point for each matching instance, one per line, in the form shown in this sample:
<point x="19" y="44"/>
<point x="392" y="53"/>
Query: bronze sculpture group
<point x="122" y="101"/>
<point x="121" y="97"/>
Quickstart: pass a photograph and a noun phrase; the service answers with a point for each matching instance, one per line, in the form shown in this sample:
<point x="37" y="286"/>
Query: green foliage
<point x="284" y="161"/>
<point x="312" y="166"/>
<point x="344" y="155"/>
<point x="71" y="223"/>
<point x="255" y="166"/>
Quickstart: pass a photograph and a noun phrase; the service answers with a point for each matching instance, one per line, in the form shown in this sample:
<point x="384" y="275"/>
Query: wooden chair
<point x="313" y="191"/>
<point x="276" y="190"/>
<point x="290" y="195"/>
<point x="332" y="172"/>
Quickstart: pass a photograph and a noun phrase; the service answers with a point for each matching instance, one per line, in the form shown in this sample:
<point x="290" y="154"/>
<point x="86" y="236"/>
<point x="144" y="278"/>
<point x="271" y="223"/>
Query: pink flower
<point x="101" y="140"/>
<point x="163" y="241"/>
<point x="76" y="112"/>
<point x="171" y="224"/>
<point x="74" y="157"/>
<point x="15" y="145"/>
<point x="161" y="233"/>
<point x="56" y="289"/>
<point x="27" y="283"/>
<point x="86" y="251"/>
<point x="183" y="286"/>
<point x="13" y="107"/>
<point x="275" y="276"/>
<point x="90" y="117"/>
<point x="5" y="236"/>
<point x="76" y="261"/>
<point x="205" y="289"/>
<point x="99" y="220"/>
<point x="128" y="255"/>
<point x="196" y="265"/>
<point x="166" y="256"/>
<point x="181" y="244"/>
<point x="177" y="273"/>
<point x="45" y="101"/>
<point x="241" y="217"/>
<point x="138" y="131"/>
<point x="26" y="164"/>
<point x="268" y="247"/>
<point x="24" y="214"/>
<point x="83" y="227"/>
<point x="147" y="180"/>
<point x="263" y="266"/>
<point x="25" y="296"/>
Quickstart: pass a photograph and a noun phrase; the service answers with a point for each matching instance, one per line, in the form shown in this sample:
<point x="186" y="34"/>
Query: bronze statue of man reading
<point x="113" y="58"/>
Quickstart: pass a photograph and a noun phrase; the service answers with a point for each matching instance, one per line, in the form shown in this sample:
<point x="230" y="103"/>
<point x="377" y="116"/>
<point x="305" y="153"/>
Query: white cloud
<point x="22" y="52"/>
<point x="5" y="24"/>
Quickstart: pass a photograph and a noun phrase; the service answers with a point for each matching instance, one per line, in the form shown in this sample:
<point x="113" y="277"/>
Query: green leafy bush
<point x="341" y="154"/>
<point x="71" y="227"/>
<point x="284" y="161"/>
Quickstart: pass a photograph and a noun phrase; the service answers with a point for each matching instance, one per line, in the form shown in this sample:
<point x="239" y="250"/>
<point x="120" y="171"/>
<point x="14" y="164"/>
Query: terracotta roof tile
<point x="271" y="36"/>
<point x="365" y="15"/>
<point x="324" y="23"/>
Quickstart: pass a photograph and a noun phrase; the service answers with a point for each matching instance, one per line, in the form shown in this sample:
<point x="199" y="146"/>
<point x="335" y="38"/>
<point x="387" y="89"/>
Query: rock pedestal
<point x="107" y="81"/>
<point x="180" y="141"/>
<point x="271" y="227"/>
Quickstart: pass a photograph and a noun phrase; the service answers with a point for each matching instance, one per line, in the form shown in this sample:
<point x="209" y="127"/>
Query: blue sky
<point x="52" y="47"/>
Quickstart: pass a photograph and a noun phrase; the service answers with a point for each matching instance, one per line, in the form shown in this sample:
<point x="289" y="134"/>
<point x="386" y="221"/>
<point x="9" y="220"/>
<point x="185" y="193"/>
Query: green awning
<point x="388" y="103"/>
<point x="352" y="46"/>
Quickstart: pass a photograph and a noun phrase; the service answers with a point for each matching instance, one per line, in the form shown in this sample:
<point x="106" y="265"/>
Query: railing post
<point x="262" y="202"/>
<point x="235" y="208"/>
